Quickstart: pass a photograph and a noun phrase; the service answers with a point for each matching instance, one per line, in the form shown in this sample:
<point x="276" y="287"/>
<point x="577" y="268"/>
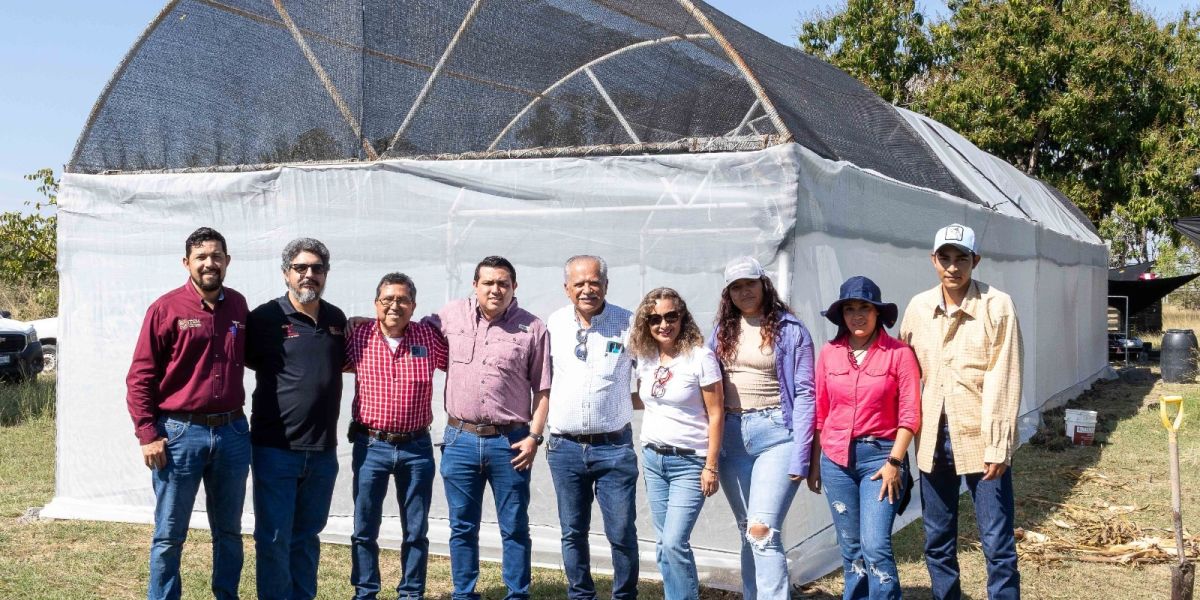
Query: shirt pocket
<point x="461" y="346"/>
<point x="235" y="343"/>
<point x="511" y="354"/>
<point x="877" y="373"/>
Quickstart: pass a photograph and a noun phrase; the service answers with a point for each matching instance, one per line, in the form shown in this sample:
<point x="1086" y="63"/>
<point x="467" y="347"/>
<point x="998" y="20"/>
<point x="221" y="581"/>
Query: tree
<point x="28" y="243"/>
<point x="883" y="43"/>
<point x="1090" y="95"/>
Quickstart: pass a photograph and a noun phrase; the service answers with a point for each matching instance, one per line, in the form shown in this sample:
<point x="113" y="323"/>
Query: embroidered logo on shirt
<point x="418" y="351"/>
<point x="335" y="330"/>
<point x="613" y="348"/>
<point x="188" y="324"/>
<point x="289" y="331"/>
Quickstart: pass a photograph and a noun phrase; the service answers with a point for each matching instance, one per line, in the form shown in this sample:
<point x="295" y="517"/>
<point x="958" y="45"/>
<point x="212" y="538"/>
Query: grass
<point x="80" y="559"/>
<point x="1052" y="478"/>
<point x="27" y="302"/>
<point x="1174" y="317"/>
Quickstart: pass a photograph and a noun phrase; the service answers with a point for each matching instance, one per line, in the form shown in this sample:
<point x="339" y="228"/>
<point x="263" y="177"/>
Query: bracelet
<point x="895" y="462"/>
<point x="714" y="471"/>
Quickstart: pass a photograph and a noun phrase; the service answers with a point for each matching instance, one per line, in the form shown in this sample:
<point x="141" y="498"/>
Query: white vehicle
<point x="47" y="332"/>
<point x="20" y="350"/>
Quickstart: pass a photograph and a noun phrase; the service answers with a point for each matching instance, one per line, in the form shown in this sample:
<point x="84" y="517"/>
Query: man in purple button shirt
<point x="499" y="358"/>
<point x="185" y="397"/>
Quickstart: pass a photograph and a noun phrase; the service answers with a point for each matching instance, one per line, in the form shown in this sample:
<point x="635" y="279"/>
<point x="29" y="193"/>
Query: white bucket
<point x="1081" y="426"/>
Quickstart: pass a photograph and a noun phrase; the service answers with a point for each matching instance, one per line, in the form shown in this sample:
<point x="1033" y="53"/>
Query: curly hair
<point x="729" y="321"/>
<point x="643" y="344"/>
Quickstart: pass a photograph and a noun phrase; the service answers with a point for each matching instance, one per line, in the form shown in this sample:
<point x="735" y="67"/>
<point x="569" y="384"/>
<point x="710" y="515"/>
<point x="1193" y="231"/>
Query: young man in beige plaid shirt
<point x="968" y="342"/>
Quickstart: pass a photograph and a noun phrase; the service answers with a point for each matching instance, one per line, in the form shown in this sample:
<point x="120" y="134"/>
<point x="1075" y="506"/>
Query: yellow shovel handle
<point x="1177" y="402"/>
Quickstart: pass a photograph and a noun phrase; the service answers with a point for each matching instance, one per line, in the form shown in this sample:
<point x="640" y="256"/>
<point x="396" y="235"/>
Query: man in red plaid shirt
<point x="394" y="360"/>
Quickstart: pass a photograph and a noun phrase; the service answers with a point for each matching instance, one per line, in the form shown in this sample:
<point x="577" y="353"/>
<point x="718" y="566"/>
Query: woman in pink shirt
<point x="868" y="408"/>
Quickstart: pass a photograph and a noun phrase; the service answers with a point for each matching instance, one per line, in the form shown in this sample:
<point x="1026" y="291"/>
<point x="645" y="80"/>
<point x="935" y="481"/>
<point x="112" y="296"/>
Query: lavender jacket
<point x="797" y="397"/>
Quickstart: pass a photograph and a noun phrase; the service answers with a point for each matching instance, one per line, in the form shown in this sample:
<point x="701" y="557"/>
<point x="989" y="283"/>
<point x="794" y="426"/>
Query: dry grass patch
<point x="1057" y="484"/>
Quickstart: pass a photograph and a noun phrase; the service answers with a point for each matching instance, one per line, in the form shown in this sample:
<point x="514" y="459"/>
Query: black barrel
<point x="1178" y="356"/>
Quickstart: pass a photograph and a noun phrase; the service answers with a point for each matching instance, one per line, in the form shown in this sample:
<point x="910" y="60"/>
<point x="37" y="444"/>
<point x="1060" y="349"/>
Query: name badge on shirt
<point x="418" y="351"/>
<point x="289" y="331"/>
<point x="613" y="348"/>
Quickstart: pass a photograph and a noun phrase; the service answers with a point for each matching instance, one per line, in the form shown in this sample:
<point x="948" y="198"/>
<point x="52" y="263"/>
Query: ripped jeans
<point x="755" y="451"/>
<point x="863" y="522"/>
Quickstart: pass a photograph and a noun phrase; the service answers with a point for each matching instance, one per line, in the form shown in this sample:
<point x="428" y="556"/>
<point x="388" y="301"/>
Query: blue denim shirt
<point x="794" y="368"/>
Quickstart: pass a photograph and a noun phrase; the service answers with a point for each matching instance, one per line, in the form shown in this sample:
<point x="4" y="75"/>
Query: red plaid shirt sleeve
<point x="393" y="391"/>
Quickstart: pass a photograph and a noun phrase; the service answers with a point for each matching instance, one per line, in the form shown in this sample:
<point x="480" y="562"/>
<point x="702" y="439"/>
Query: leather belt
<point x="390" y="437"/>
<point x="870" y="438"/>
<point x="207" y="420"/>
<point x="594" y="439"/>
<point x="666" y="450"/>
<point x="483" y="430"/>
<point x="747" y="411"/>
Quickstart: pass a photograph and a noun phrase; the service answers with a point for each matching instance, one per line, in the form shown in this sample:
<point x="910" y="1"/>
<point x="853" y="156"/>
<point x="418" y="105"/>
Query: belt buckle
<point x="213" y="420"/>
<point x="486" y="430"/>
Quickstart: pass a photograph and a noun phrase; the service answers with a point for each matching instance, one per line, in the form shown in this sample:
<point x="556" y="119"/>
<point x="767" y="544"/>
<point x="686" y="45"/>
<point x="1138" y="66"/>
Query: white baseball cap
<point x="960" y="236"/>
<point x="743" y="267"/>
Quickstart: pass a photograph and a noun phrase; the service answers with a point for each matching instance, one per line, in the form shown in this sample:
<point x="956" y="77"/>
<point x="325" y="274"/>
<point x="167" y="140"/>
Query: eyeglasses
<point x="671" y="318"/>
<point x="581" y="348"/>
<point x="394" y="300"/>
<point x="302" y="268"/>
<point x="661" y="376"/>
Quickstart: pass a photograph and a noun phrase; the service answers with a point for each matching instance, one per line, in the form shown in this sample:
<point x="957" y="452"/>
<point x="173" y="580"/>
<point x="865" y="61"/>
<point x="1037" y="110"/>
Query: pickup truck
<point x="20" y="350"/>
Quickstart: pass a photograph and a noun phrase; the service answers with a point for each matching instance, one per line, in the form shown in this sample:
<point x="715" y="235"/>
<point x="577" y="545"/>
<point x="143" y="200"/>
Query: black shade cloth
<point x="1189" y="227"/>
<point x="1145" y="292"/>
<point x="215" y="84"/>
<point x="1130" y="272"/>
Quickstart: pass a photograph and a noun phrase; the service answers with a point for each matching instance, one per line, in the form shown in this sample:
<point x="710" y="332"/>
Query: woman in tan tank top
<point x="766" y="358"/>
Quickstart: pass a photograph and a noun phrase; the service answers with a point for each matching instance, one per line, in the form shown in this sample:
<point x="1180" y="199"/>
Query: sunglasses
<point x="302" y="268"/>
<point x="581" y="348"/>
<point x="390" y="300"/>
<point x="661" y="376"/>
<point x="671" y="318"/>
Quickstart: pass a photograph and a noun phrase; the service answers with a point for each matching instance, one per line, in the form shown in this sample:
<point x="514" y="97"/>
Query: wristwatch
<point x="537" y="437"/>
<point x="892" y="460"/>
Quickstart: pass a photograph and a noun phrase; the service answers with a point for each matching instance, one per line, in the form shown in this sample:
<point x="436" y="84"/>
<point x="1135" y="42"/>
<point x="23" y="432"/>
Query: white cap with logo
<point x="960" y="236"/>
<point x="743" y="267"/>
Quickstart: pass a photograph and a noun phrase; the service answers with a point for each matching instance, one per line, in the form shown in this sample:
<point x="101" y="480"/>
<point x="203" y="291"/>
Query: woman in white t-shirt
<point x="679" y="382"/>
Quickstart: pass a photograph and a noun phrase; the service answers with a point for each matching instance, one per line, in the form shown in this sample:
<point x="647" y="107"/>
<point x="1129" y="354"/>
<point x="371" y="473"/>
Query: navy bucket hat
<point x="861" y="288"/>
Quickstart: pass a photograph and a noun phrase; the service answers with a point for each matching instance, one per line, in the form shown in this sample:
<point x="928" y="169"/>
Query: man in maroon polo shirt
<point x="185" y="396"/>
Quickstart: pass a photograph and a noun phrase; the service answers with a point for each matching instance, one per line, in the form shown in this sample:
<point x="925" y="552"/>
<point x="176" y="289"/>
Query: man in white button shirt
<point x="590" y="449"/>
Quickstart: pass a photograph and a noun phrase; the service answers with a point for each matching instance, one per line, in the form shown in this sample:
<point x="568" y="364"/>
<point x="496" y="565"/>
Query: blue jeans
<point x="607" y="472"/>
<point x="292" y="492"/>
<point x="673" y="490"/>
<point x="411" y="465"/>
<point x="863" y="521"/>
<point x="994" y="514"/>
<point x="755" y="452"/>
<point x="219" y="457"/>
<point x="468" y="463"/>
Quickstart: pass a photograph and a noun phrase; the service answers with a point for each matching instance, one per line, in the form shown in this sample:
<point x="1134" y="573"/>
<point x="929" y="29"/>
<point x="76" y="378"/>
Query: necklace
<point x="857" y="355"/>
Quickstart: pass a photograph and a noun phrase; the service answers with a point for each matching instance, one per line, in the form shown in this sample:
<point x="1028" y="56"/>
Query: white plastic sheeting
<point x="658" y="220"/>
<point x="1000" y="185"/>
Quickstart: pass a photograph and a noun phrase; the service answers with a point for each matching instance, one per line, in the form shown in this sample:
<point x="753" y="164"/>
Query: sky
<point x="57" y="55"/>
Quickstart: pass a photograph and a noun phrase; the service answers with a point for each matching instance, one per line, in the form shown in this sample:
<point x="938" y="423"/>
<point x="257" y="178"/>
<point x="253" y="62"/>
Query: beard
<point x="304" y="295"/>
<point x="212" y="284"/>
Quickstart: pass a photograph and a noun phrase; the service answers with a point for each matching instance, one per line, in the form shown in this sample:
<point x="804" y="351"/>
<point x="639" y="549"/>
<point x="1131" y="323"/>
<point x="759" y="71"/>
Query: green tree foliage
<point x="28" y="242"/>
<point x="883" y="43"/>
<point x="1091" y="95"/>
